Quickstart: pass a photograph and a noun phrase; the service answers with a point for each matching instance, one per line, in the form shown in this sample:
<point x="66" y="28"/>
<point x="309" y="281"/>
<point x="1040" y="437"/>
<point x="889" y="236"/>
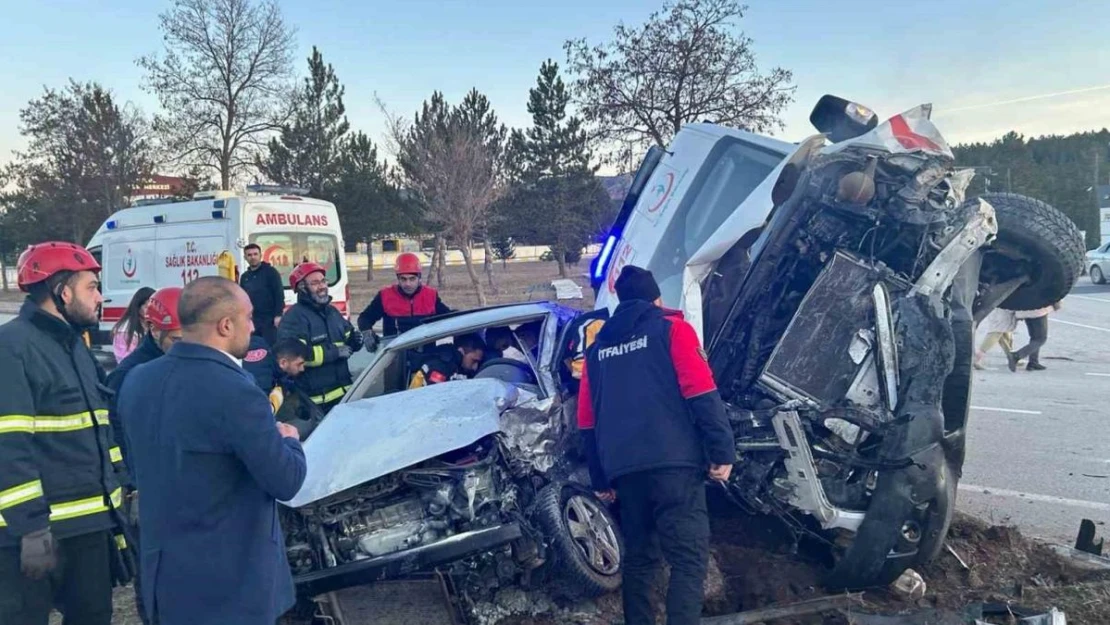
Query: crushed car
<point x="836" y="283"/>
<point x="475" y="477"/>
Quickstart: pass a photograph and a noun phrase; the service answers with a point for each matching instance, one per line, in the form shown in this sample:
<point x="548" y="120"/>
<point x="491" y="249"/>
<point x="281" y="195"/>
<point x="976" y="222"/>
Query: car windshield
<point x="728" y="176"/>
<point x="284" y="250"/>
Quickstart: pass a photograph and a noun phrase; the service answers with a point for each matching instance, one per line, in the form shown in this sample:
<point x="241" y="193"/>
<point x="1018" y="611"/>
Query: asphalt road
<point x="1038" y="442"/>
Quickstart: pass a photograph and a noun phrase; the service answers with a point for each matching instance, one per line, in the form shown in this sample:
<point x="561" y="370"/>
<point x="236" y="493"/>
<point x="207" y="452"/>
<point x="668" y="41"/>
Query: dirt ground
<point x="755" y="568"/>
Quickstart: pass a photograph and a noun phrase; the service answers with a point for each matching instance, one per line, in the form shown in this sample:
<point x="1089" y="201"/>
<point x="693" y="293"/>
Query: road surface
<point x="1038" y="443"/>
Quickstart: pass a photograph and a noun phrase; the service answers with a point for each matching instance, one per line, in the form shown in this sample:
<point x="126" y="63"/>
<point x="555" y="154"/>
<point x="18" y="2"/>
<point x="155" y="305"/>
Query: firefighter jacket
<point x="399" y="312"/>
<point x="58" y="458"/>
<point x="261" y="364"/>
<point x="442" y="364"/>
<point x="147" y="351"/>
<point x="648" y="399"/>
<point x="321" y="327"/>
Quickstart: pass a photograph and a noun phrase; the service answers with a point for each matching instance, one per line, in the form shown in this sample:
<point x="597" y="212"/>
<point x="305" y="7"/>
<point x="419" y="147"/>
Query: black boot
<point x="1012" y="360"/>
<point x="1035" y="366"/>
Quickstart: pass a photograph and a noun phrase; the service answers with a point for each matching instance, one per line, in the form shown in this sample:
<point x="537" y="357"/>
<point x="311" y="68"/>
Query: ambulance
<point x="173" y="243"/>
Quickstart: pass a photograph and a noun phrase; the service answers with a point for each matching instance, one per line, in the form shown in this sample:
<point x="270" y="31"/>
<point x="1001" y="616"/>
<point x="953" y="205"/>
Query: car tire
<point x="1038" y="240"/>
<point x="1096" y="275"/>
<point x="573" y="520"/>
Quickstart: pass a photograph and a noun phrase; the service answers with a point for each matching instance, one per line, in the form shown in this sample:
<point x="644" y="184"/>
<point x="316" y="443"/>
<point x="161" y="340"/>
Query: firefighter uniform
<point x="652" y="423"/>
<point x="59" y="469"/>
<point x="443" y="364"/>
<point x="321" y="326"/>
<point x="400" y="312"/>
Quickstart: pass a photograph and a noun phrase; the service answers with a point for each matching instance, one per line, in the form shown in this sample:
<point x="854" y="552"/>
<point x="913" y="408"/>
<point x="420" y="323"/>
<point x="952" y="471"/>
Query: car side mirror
<point x="842" y="119"/>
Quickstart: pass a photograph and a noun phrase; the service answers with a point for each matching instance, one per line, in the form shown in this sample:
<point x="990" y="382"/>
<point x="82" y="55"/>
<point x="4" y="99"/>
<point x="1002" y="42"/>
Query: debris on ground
<point x="984" y="569"/>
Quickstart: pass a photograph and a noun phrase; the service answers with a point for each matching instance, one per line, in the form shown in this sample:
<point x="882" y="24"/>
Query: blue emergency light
<point x="219" y="204"/>
<point x="603" y="257"/>
<point x="159" y="219"/>
<point x="218" y="214"/>
<point x="111" y="225"/>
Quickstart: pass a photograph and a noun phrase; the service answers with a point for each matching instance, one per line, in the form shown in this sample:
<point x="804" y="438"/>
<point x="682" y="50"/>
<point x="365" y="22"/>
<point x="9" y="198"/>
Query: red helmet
<point x="39" y="262"/>
<point x="161" y="309"/>
<point x="407" y="263"/>
<point x="302" y="271"/>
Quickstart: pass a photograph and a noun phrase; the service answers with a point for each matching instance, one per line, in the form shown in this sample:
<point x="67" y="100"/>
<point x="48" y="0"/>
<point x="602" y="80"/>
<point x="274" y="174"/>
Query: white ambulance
<point x="173" y="243"/>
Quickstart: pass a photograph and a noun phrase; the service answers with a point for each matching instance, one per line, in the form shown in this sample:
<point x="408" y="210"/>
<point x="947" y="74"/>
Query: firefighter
<point x="653" y="423"/>
<point x="290" y="403"/>
<point x="402" y="306"/>
<point x="163" y="330"/>
<point x="316" y="323"/>
<point x="458" y="361"/>
<point x="61" y="532"/>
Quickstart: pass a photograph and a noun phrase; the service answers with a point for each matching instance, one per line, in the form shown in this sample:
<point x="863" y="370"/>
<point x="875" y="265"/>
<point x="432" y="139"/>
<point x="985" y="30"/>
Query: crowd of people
<point x="166" y="473"/>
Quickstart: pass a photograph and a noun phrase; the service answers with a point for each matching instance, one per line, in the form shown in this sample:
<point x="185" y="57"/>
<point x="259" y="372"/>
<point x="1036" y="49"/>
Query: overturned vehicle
<point x="473" y="478"/>
<point x="836" y="283"/>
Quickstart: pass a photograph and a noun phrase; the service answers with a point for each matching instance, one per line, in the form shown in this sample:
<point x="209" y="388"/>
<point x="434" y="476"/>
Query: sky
<point x="1034" y="66"/>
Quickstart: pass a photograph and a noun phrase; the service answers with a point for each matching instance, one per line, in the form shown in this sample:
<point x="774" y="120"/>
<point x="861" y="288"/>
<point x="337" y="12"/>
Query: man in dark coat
<point x="262" y="282"/>
<point x="653" y="424"/>
<point x="211" y="463"/>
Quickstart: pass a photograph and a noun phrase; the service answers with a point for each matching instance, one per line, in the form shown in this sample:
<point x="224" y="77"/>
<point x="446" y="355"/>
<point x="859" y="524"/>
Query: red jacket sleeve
<point x="585" y="403"/>
<point x="690" y="364"/>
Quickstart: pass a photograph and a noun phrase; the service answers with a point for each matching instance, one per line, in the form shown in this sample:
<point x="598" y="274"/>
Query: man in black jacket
<point x="653" y="423"/>
<point x="60" y="469"/>
<point x="319" y="325"/>
<point x="263" y="285"/>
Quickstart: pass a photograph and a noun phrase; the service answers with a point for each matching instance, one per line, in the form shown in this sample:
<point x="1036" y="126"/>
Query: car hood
<point x="363" y="440"/>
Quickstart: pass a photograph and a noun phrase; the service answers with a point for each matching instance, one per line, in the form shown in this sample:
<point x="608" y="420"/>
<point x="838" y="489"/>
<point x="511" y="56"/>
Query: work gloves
<point x="370" y="340"/>
<point x="38" y="555"/>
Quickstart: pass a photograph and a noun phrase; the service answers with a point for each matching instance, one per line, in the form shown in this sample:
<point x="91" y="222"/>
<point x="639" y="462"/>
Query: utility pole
<point x="1009" y="186"/>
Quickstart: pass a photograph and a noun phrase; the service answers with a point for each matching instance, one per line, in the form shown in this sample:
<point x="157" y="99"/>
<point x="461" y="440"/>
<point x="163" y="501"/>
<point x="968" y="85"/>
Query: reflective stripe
<point x="317" y="355"/>
<point x="81" y="507"/>
<point x="20" y="494"/>
<point x="115" y="455"/>
<point x="70" y="423"/>
<point x="17" y="423"/>
<point x="121" y="542"/>
<point x="333" y="394"/>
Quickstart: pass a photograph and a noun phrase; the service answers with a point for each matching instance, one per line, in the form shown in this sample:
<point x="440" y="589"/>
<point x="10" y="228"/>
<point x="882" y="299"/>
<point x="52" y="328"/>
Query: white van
<point x="171" y="244"/>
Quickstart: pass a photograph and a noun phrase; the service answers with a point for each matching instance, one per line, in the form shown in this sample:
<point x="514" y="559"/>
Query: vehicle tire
<point x="1037" y="240"/>
<point x="1096" y="275"/>
<point x="585" y="549"/>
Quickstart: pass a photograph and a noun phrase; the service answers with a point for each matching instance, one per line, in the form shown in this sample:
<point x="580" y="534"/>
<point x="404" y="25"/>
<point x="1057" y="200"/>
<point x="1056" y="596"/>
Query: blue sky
<point x="962" y="55"/>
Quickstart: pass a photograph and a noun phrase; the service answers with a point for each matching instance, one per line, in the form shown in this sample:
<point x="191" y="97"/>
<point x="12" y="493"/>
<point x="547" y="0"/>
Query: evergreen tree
<point x="309" y="151"/>
<point x="556" y="197"/>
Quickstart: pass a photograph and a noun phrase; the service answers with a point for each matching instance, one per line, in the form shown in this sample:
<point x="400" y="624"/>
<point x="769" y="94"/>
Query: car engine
<point x="421" y="505"/>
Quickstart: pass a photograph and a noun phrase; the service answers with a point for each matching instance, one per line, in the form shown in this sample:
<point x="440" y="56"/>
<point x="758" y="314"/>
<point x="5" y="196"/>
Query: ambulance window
<point x="98" y="255"/>
<point x="731" y="172"/>
<point x="285" y="250"/>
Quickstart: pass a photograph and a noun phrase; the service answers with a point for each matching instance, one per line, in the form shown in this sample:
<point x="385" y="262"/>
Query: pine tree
<point x="556" y="197"/>
<point x="309" y="151"/>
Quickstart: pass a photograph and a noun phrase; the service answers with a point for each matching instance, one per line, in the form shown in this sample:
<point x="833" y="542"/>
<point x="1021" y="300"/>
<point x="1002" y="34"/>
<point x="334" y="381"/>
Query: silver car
<point x="1098" y="263"/>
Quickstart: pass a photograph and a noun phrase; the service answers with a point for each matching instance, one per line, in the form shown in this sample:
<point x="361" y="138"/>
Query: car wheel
<point x="1096" y="275"/>
<point x="1035" y="240"/>
<point x="585" y="547"/>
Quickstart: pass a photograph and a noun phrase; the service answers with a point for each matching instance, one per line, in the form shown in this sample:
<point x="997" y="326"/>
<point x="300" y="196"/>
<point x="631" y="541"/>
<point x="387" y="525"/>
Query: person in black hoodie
<point x="652" y="424"/>
<point x="262" y="282"/>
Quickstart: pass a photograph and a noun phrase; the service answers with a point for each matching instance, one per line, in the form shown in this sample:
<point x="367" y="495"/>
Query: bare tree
<point x="224" y="81"/>
<point x="688" y="62"/>
<point x="453" y="173"/>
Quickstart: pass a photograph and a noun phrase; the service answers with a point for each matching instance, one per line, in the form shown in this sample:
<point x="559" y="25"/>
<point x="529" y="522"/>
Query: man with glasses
<point x="319" y="325"/>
